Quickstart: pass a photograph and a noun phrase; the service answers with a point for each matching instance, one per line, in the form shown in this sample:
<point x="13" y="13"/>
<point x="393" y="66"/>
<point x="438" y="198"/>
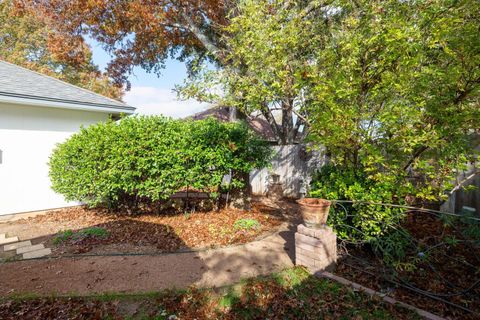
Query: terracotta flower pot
<point x="314" y="211"/>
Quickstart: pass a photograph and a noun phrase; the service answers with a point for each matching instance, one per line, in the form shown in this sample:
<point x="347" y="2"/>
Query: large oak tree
<point x="140" y="32"/>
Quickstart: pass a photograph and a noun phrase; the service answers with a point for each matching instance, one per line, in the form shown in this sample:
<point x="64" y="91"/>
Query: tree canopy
<point x="141" y="32"/>
<point x="396" y="91"/>
<point x="391" y="88"/>
<point x="26" y="40"/>
<point x="268" y="46"/>
<point x="146" y="33"/>
<point x="353" y="74"/>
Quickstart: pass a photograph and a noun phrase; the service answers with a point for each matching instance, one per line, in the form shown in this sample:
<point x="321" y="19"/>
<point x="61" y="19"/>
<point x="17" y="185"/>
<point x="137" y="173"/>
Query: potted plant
<point x="314" y="211"/>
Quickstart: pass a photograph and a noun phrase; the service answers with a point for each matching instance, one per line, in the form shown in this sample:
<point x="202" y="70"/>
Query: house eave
<point x="64" y="104"/>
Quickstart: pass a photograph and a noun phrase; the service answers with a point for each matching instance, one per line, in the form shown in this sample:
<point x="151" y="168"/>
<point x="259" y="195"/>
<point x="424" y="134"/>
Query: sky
<point x="152" y="94"/>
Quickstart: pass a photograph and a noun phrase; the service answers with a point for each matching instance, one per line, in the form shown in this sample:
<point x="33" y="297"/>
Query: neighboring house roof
<point x="22" y="86"/>
<point x="257" y="123"/>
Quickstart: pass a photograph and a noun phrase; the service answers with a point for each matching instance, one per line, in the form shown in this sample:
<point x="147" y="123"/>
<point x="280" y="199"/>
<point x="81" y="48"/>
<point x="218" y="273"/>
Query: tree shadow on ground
<point x="140" y="271"/>
<point x="291" y="294"/>
<point x="136" y="271"/>
<point x="114" y="272"/>
<point x="120" y="236"/>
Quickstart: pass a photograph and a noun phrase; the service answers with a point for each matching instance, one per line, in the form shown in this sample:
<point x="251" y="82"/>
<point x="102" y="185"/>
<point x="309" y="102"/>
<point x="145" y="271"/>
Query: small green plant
<point x="394" y="248"/>
<point x="63" y="236"/>
<point x="246" y="224"/>
<point x="91" y="232"/>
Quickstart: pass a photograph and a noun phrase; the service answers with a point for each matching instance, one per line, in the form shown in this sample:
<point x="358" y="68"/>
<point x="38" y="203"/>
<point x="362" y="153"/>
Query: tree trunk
<point x="241" y="198"/>
<point x="287" y="121"/>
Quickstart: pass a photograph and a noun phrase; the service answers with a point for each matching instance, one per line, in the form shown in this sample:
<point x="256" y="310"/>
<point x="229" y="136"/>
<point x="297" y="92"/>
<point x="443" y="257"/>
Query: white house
<point x="36" y="113"/>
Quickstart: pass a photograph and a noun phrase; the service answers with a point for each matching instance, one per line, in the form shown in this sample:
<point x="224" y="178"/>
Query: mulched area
<point x="153" y="233"/>
<point x="449" y="269"/>
<point x="291" y="294"/>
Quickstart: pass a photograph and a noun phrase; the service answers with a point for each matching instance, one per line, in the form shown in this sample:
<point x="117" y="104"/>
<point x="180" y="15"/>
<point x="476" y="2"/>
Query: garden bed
<point x="291" y="294"/>
<point x="443" y="279"/>
<point x="80" y="230"/>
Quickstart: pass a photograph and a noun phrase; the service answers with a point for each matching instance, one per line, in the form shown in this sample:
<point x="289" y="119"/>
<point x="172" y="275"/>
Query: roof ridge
<point x="63" y="82"/>
<point x="77" y="102"/>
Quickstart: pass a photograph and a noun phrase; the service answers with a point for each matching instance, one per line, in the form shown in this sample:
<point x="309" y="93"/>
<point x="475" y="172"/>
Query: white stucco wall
<point x="27" y="137"/>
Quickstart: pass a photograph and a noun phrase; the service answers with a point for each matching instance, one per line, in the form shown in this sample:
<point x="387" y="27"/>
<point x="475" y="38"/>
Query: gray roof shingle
<point x="19" y="82"/>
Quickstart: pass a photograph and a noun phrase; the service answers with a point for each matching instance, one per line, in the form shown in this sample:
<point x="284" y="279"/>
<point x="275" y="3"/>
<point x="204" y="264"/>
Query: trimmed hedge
<point x="149" y="158"/>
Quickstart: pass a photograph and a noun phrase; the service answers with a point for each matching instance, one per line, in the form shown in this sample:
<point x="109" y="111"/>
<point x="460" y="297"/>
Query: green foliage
<point x="246" y="224"/>
<point x="362" y="222"/>
<point x="63" y="236"/>
<point x="391" y="88"/>
<point x="265" y="54"/>
<point x="357" y="222"/>
<point x="91" y="232"/>
<point x="396" y="92"/>
<point x="147" y="159"/>
<point x="394" y="247"/>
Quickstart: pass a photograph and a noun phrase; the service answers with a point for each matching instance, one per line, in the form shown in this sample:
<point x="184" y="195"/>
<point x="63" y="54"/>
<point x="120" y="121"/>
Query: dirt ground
<point x="133" y="274"/>
<point x="149" y="233"/>
<point x="120" y="270"/>
<point x="446" y="283"/>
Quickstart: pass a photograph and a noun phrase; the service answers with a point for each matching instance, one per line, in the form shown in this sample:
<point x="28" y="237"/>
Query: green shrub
<point x="362" y="223"/>
<point x="396" y="248"/>
<point x="357" y="222"/>
<point x="147" y="159"/>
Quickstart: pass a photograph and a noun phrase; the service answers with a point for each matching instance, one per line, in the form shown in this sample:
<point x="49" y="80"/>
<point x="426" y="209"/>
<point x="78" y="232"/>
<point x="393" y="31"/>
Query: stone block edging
<point x="425" y="314"/>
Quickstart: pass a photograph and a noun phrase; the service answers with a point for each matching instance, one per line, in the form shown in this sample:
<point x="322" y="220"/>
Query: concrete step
<point x="30" y="248"/>
<point x="8" y="240"/>
<point x="17" y="245"/>
<point x="37" y="253"/>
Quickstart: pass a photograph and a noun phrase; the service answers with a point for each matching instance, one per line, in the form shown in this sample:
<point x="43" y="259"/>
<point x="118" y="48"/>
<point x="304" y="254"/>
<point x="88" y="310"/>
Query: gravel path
<point x="88" y="275"/>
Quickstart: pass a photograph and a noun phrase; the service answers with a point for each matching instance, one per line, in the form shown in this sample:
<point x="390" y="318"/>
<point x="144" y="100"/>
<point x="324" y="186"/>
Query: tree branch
<point x="461" y="183"/>
<point x="415" y="155"/>
<point x="200" y="35"/>
<point x="267" y="113"/>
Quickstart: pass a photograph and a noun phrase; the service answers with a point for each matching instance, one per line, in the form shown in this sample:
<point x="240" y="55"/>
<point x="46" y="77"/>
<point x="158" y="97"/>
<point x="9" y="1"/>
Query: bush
<point x="147" y="159"/>
<point x="361" y="223"/>
<point x="356" y="222"/>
